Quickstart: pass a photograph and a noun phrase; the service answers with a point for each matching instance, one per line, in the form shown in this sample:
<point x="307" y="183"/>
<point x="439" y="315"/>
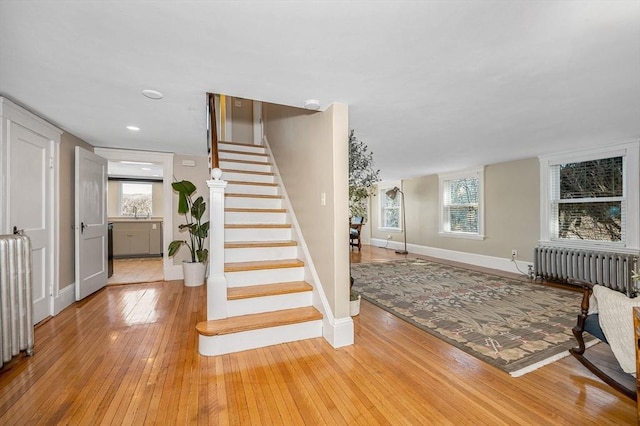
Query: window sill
<point x="462" y="235"/>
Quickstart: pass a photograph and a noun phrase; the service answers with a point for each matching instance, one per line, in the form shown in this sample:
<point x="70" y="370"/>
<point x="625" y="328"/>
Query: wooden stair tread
<point x="257" y="225"/>
<point x="232" y="151"/>
<point x="246" y="292"/>
<point x="256" y="244"/>
<point x="236" y="194"/>
<point x="242" y="144"/>
<point x="257" y="265"/>
<point x="233" y="160"/>
<point x="258" y="321"/>
<point x="250" y="172"/>
<point x="252" y="210"/>
<point x="244" y="182"/>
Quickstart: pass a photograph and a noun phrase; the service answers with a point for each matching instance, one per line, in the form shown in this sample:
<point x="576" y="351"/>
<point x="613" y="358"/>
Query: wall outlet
<point x="514" y="253"/>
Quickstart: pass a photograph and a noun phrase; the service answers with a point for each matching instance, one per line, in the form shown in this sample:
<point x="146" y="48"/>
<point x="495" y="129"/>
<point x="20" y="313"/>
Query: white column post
<point x="217" y="283"/>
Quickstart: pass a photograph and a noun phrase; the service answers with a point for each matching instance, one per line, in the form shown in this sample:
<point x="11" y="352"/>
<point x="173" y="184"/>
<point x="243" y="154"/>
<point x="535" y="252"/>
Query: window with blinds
<point x="588" y="200"/>
<point x="461" y="204"/>
<point x="390" y="211"/>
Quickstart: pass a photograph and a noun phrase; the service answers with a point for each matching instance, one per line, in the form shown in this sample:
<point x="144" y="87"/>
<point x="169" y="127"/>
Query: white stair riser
<point x="252" y="189"/>
<point x="256" y="149"/>
<point x="260" y="253"/>
<point x="253" y="203"/>
<point x="247" y="177"/>
<point x="229" y="343"/>
<point x="254" y="217"/>
<point x="269" y="303"/>
<point x="264" y="276"/>
<point x="246" y="156"/>
<point x="244" y="166"/>
<point x="257" y="234"/>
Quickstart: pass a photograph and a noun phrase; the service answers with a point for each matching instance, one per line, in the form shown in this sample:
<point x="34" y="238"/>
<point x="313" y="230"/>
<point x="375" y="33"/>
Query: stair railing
<point x="217" y="282"/>
<point x="213" y="131"/>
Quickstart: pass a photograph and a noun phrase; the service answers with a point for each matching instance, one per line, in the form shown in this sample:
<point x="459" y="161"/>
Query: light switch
<point x="153" y="226"/>
<point x="323" y="198"/>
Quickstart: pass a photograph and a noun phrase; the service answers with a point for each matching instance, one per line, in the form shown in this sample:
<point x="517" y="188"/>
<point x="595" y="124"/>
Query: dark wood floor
<point x="128" y="355"/>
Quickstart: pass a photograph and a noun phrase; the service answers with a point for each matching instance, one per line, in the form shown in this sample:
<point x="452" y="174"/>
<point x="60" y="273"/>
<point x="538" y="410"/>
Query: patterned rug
<point x="513" y="325"/>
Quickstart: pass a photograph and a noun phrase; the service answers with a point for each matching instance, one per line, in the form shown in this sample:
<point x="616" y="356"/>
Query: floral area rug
<point x="514" y="325"/>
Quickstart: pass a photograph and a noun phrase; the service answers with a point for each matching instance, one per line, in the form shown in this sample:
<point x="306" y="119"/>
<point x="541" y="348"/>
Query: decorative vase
<point x="194" y="273"/>
<point x="354" y="306"/>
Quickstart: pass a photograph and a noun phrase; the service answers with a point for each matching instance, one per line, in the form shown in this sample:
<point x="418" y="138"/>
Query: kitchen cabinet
<point x="137" y="238"/>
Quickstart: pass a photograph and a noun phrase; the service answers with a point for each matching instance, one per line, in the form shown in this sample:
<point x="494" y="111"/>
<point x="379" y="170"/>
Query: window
<point x="591" y="199"/>
<point x="587" y="199"/>
<point x="461" y="204"/>
<point x="389" y="210"/>
<point x="136" y="199"/>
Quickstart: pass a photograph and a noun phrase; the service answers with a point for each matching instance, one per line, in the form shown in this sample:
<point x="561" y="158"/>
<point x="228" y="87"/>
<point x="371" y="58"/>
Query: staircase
<point x="268" y="301"/>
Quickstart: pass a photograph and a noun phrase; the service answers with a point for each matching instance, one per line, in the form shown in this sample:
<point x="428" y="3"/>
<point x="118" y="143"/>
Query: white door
<point x="30" y="188"/>
<point x="91" y="223"/>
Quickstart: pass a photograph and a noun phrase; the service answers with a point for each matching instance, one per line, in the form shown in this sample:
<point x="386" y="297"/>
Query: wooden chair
<point x="355" y="227"/>
<point x="590" y="323"/>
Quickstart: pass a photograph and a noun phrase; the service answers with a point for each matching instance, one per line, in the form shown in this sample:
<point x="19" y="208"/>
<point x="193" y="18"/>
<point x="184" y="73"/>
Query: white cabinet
<point x="137" y="238"/>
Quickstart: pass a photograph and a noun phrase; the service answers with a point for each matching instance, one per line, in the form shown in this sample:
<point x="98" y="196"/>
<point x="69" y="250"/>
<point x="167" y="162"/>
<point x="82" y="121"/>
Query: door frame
<point x="166" y="159"/>
<point x="11" y="112"/>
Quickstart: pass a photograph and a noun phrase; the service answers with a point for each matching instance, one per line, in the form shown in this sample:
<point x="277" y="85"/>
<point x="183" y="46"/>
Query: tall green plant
<point x="193" y="210"/>
<point x="362" y="175"/>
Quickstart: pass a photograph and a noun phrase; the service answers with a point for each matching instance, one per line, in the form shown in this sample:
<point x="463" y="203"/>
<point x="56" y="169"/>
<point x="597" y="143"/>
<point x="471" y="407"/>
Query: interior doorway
<point x="140" y="214"/>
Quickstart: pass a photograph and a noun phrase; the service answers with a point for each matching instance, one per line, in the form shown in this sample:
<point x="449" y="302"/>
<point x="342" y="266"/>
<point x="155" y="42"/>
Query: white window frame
<point x="135" y="182"/>
<point x="631" y="197"/>
<point x="382" y="190"/>
<point x="443" y="219"/>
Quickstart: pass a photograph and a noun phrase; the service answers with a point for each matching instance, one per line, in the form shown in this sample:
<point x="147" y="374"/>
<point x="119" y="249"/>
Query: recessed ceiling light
<point x="312" y="104"/>
<point x="152" y="94"/>
<point x="145" y="168"/>
<point x="133" y="128"/>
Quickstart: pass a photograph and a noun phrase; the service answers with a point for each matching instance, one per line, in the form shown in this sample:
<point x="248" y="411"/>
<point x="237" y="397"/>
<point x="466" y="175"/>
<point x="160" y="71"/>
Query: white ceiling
<point x="431" y="85"/>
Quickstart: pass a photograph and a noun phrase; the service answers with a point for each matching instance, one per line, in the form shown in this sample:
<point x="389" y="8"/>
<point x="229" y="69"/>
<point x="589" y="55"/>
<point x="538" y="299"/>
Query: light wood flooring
<point x="128" y="355"/>
<point x="138" y="270"/>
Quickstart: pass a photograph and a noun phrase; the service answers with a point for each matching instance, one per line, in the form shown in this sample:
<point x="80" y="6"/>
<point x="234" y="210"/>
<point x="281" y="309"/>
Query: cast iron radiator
<point x="610" y="269"/>
<point x="16" y="324"/>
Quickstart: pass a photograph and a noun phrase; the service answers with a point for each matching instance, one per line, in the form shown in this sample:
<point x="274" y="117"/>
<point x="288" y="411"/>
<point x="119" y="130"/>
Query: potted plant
<point x="362" y="177"/>
<point x="354" y="303"/>
<point x="193" y="210"/>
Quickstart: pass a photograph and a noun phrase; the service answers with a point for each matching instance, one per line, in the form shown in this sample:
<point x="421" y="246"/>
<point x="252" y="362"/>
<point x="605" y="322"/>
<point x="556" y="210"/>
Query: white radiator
<point x="609" y="269"/>
<point x="16" y="324"/>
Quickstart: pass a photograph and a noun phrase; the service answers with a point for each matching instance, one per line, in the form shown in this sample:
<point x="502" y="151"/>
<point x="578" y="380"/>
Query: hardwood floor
<point x="128" y="355"/>
<point x="136" y="270"/>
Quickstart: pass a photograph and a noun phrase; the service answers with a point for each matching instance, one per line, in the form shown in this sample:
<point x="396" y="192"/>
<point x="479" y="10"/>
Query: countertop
<point x="132" y="220"/>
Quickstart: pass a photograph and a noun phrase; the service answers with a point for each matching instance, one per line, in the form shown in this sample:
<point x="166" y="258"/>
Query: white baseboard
<point x="65" y="298"/>
<point x="500" y="263"/>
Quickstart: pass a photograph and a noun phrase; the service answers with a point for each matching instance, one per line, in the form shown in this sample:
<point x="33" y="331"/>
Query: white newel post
<point x="217" y="283"/>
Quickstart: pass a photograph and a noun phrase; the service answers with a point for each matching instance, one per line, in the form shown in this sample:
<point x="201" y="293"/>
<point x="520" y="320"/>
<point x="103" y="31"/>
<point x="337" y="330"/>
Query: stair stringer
<point x="337" y="331"/>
